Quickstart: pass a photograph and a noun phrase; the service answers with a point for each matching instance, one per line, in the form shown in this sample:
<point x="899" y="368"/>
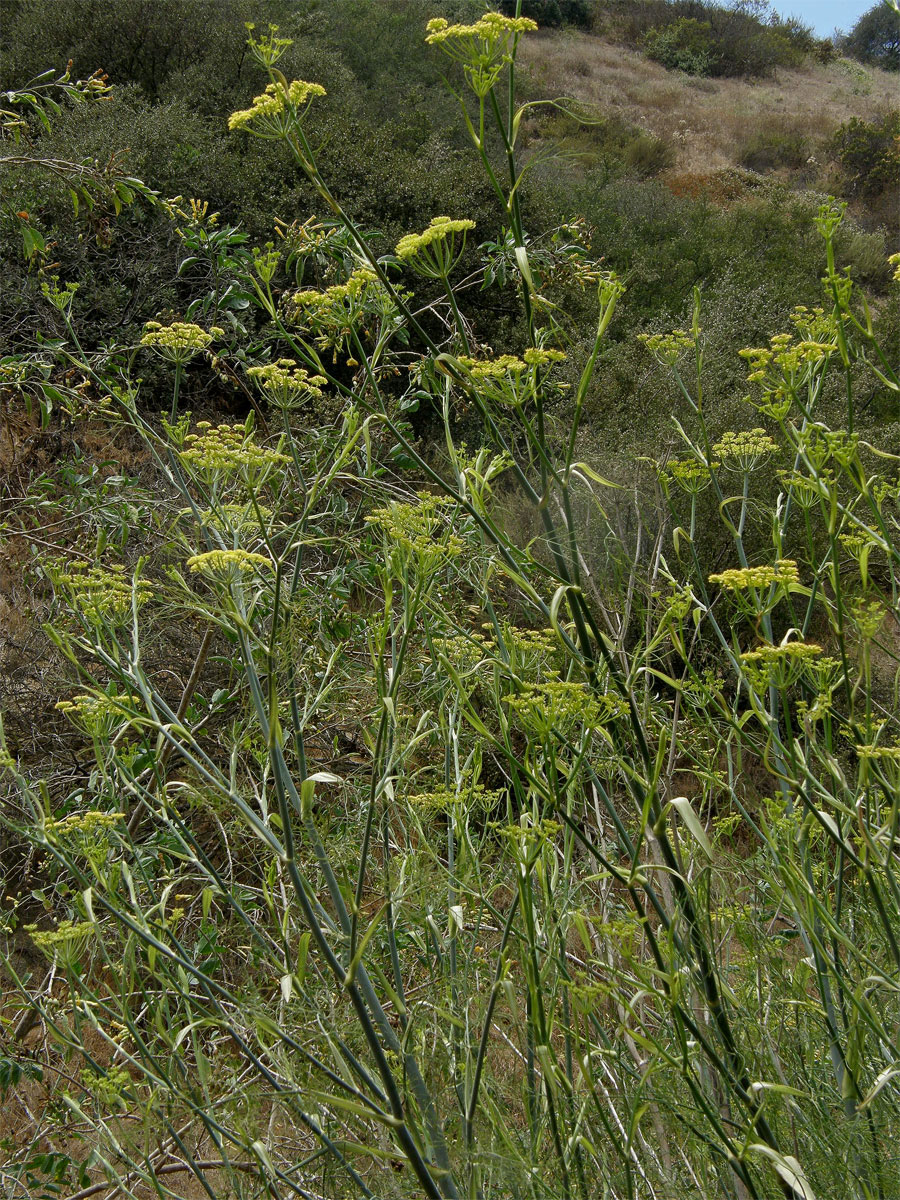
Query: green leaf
<point x="682" y="806"/>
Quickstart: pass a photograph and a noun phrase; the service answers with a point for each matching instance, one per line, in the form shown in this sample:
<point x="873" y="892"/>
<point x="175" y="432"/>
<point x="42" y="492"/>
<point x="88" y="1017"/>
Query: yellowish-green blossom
<point x="227" y="450"/>
<point x="782" y="573"/>
<point x="286" y="384"/>
<point x="894" y="261"/>
<point x="468" y="798"/>
<point x="274" y="111"/>
<point x="778" y="666"/>
<point x="434" y="252"/>
<point x="234" y="518"/>
<point x="60" y="297"/>
<point x="668" y="348"/>
<point x="483" y="48"/>
<point x="67" y="937"/>
<point x="422" y="530"/>
<point x="563" y="706"/>
<point x="745" y="449"/>
<point x="180" y="341"/>
<point x="103" y="594"/>
<point x="508" y="379"/>
<point x="99" y="713"/>
<point x="107" y="1088"/>
<point x="360" y="304"/>
<point x="689" y="474"/>
<point x="89" y="834"/>
<point x="268" y="47"/>
<point x="875" y="753"/>
<point x="231" y="563"/>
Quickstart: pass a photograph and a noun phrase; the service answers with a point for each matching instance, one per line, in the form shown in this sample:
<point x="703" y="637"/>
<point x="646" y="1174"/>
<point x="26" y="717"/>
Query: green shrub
<point x="684" y="45"/>
<point x="869" y="153"/>
<point x="875" y="38"/>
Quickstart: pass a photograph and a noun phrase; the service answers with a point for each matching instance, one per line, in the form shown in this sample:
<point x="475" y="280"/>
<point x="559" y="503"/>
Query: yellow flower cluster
<point x="868" y="616"/>
<point x="785" y="355"/>
<point x="268" y="47"/>
<point x="492" y="368"/>
<point x="464" y="651"/>
<point x="272" y="113"/>
<point x="103" y="594"/>
<point x="483" y="48"/>
<point x="689" y="474"/>
<point x="99" y="710"/>
<point x="333" y="313"/>
<point x="559" y="704"/>
<point x="89" y="834"/>
<point x="59" y="297"/>
<point x="83" y="823"/>
<point x="65" y="934"/>
<point x="778" y="665"/>
<point x="420" y="529"/>
<point x="783" y="572"/>
<point x="894" y="261"/>
<point x="502" y="379"/>
<point x="873" y="753"/>
<point x="804" y="489"/>
<point x="227" y="449"/>
<point x="233" y="518"/>
<point x="107" y="1088"/>
<point x="471" y="797"/>
<point x="530" y="835"/>
<point x="286" y="384"/>
<point x="179" y="341"/>
<point x="542" y="356"/>
<point x="743" y="450"/>
<point x="667" y="348"/>
<point x="433" y="253"/>
<point x="227" y="562"/>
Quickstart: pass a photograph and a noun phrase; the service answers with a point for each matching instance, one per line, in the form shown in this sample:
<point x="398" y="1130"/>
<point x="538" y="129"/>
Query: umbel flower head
<point x="285" y="384"/>
<point x="228" y="563"/>
<point x="484" y="48"/>
<point x="180" y="341"/>
<point x="743" y="450"/>
<point x="228" y="450"/>
<point x="274" y="112"/>
<point x="103" y="594"/>
<point x="506" y="379"/>
<point x="433" y="253"/>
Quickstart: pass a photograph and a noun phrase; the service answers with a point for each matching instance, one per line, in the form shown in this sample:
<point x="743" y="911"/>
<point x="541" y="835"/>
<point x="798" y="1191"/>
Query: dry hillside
<point x="711" y="125"/>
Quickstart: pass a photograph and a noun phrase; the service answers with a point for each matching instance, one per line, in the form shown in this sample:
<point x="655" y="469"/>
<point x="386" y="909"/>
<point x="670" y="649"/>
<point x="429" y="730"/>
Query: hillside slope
<point x="710" y="125"/>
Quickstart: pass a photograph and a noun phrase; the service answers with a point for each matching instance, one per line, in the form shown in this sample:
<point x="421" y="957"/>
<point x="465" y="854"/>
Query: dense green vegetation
<point x="449" y="737"/>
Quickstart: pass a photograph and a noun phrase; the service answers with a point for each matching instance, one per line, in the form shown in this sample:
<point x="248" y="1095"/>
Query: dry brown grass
<point x="705" y="120"/>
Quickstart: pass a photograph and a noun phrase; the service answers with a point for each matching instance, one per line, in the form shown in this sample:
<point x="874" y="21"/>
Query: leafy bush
<point x="552" y="13"/>
<point x="875" y="38"/>
<point x="869" y="153"/>
<point x="684" y="45"/>
<point x="710" y="39"/>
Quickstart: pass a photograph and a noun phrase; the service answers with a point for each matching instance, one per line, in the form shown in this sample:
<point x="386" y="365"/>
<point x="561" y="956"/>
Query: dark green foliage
<point x="869" y="153"/>
<point x="151" y="45"/>
<point x="875" y="38"/>
<point x="685" y="45"/>
<point x="552" y="13"/>
<point x="710" y="39"/>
